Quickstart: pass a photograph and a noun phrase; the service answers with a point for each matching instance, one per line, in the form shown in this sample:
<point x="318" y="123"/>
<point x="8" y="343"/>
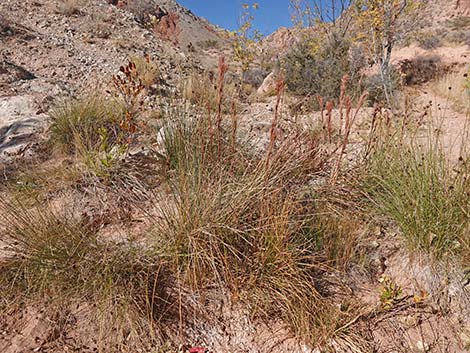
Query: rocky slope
<point x="172" y="22"/>
<point x="50" y="49"/>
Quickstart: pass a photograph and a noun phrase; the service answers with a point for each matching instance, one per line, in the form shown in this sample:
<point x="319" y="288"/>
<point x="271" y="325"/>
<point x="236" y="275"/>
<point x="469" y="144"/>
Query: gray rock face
<point x="20" y="124"/>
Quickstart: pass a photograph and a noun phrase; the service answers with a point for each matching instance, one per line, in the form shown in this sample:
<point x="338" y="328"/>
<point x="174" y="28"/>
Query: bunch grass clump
<point x="70" y="7"/>
<point x="147" y="70"/>
<point x="229" y="217"/>
<point x="55" y="256"/>
<point x="200" y="89"/>
<point x="238" y="220"/>
<point x="77" y="123"/>
<point x="31" y="186"/>
<point x="410" y="180"/>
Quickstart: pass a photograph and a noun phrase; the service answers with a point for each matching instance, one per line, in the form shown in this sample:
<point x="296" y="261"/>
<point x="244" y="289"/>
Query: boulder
<point x="167" y="27"/>
<point x="20" y="124"/>
<point x="268" y="87"/>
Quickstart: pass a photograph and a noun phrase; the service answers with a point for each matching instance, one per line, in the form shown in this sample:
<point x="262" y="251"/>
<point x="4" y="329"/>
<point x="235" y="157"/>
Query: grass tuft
<point x="410" y="181"/>
<point x="147" y="70"/>
<point x="70" y="7"/>
<point x="455" y="87"/>
<point x="237" y="220"/>
<point x="55" y="256"/>
<point x="77" y="124"/>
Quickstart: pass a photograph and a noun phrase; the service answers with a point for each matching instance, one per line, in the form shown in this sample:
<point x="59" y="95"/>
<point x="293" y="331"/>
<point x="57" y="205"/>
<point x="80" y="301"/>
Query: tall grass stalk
<point x="222" y="69"/>
<point x="274" y="124"/>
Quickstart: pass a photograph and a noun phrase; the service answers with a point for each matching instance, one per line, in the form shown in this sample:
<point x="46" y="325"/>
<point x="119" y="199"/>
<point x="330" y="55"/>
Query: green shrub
<point x="421" y="69"/>
<point x="429" y="41"/>
<point x="460" y="37"/>
<point x="208" y="44"/>
<point x="317" y="68"/>
<point x="459" y="22"/>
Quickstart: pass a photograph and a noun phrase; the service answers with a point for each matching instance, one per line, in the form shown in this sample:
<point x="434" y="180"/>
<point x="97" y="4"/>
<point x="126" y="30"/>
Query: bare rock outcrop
<point x="279" y="42"/>
<point x="20" y="124"/>
<point x="171" y="21"/>
<point x="268" y="86"/>
<point x="168" y="27"/>
<point x="463" y="7"/>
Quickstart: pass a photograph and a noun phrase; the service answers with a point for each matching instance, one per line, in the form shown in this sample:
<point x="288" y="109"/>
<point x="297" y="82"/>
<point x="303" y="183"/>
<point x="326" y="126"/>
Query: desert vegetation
<point x="145" y="217"/>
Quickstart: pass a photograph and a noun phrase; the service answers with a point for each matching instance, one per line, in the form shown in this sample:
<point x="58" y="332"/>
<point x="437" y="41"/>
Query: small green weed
<point x="390" y="292"/>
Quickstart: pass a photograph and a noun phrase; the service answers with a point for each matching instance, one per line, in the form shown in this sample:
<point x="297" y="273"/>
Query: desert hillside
<point x="170" y="186"/>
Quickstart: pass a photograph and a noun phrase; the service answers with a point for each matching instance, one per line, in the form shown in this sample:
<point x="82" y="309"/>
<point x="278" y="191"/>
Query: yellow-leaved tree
<point x="310" y="13"/>
<point x="380" y="25"/>
<point x="245" y="38"/>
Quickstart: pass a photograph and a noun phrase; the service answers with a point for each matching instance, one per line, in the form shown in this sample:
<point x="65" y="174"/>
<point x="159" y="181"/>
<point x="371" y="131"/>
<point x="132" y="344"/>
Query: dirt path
<point x="453" y="125"/>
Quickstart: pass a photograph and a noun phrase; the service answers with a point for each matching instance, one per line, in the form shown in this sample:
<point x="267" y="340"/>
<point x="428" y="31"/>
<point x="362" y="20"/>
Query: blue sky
<point x="271" y="14"/>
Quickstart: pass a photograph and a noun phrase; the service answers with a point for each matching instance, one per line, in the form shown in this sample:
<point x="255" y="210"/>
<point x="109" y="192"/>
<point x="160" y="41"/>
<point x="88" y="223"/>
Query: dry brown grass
<point x="201" y="90"/>
<point x="238" y="220"/>
<point x="273" y="228"/>
<point x="56" y="259"/>
<point x="147" y="70"/>
<point x="76" y="123"/>
<point x="39" y="185"/>
<point x="455" y="87"/>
